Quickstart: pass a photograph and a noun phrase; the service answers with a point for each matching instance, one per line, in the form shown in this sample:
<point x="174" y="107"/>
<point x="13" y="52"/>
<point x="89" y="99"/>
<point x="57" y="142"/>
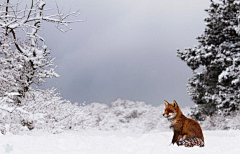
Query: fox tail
<point x="191" y="142"/>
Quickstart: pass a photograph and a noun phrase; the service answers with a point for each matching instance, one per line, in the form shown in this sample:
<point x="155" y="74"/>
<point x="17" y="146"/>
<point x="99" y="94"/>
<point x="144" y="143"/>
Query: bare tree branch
<point x="30" y="11"/>
<point x="17" y="46"/>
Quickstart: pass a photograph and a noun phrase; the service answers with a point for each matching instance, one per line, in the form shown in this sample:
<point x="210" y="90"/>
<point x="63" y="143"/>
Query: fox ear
<point x="174" y="103"/>
<point x="166" y="103"/>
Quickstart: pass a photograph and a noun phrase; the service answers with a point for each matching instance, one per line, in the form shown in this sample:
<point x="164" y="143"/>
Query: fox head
<point x="171" y="110"/>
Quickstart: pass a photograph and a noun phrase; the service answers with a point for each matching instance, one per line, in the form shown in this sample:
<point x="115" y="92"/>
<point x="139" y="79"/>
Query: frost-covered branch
<point x="29" y="20"/>
<point x="35" y="15"/>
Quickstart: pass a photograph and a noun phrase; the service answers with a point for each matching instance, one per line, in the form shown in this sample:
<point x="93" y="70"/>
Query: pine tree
<point x="216" y="87"/>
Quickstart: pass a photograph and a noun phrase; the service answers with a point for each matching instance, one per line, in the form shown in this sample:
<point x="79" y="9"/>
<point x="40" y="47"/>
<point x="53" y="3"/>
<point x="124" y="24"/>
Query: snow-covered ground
<point x="109" y="142"/>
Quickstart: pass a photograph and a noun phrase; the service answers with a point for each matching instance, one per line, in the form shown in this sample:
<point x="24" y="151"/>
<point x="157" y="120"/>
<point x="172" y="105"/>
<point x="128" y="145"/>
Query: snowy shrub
<point x="129" y="115"/>
<point x="40" y="109"/>
<point x="91" y="115"/>
<point x="221" y="122"/>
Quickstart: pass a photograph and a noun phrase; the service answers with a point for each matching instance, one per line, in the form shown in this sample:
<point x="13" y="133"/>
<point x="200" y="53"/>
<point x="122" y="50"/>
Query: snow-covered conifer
<point x="216" y="88"/>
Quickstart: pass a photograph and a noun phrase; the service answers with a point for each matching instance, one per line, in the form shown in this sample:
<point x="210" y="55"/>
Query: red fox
<point x="187" y="131"/>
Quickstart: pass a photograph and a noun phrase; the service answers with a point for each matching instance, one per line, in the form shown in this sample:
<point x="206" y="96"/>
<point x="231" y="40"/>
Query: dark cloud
<point x="126" y="49"/>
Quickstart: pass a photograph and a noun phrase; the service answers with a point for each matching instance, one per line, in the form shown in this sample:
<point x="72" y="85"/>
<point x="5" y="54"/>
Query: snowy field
<point x="100" y="142"/>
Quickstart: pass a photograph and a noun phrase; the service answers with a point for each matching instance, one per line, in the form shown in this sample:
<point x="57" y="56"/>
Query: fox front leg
<point x="175" y="137"/>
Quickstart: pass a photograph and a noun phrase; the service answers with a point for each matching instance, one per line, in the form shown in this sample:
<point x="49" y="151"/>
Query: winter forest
<point x="26" y="62"/>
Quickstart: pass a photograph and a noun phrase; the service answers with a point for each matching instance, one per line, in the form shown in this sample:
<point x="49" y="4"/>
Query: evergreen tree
<point x="216" y="87"/>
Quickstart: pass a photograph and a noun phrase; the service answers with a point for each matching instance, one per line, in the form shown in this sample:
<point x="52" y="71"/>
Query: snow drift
<point x="114" y="142"/>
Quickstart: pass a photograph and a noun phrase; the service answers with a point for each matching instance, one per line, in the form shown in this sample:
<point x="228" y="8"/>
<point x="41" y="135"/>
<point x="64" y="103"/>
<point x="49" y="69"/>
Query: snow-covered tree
<point x="24" y="56"/>
<point x="215" y="86"/>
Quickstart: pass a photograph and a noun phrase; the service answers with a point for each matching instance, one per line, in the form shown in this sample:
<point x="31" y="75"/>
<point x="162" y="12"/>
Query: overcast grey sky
<point x="125" y="49"/>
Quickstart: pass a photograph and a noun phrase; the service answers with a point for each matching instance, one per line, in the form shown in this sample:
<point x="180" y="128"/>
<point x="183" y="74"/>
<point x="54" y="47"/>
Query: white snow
<point x="114" y="142"/>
